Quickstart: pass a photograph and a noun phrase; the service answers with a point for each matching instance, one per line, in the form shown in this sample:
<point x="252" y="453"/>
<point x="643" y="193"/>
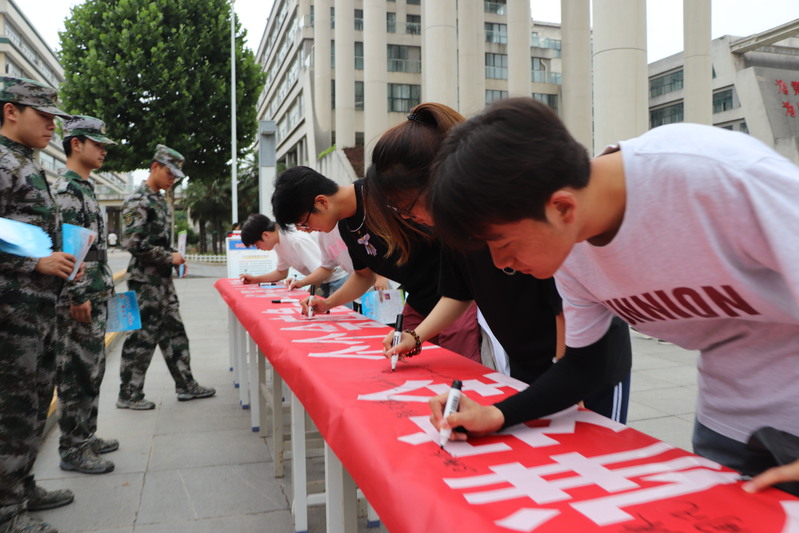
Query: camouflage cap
<point x="31" y="93"/>
<point x="171" y="158"/>
<point x="90" y="127"/>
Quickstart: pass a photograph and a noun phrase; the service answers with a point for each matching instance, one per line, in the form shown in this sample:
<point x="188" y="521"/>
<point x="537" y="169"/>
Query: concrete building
<point x="755" y="87"/>
<point x="23" y="53"/>
<point x="341" y="72"/>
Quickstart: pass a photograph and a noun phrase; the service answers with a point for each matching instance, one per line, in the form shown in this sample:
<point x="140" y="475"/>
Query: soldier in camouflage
<point x="83" y="306"/>
<point x="146" y="236"/>
<point x="29" y="288"/>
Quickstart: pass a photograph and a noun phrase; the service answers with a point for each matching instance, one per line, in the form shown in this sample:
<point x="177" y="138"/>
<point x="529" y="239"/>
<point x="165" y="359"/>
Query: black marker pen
<point x="397" y="339"/>
<point x="285" y="301"/>
<point x="310" y="301"/>
<point x="453" y="401"/>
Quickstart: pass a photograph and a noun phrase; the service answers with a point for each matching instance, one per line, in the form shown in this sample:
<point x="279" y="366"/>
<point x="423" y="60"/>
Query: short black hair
<point x="254" y="227"/>
<point x="295" y="191"/>
<point x="67" y="143"/>
<point x="20" y="107"/>
<point x="500" y="167"/>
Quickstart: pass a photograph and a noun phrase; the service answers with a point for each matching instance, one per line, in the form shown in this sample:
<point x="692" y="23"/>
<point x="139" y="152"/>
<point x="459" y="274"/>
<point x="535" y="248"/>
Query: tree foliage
<point x="158" y="71"/>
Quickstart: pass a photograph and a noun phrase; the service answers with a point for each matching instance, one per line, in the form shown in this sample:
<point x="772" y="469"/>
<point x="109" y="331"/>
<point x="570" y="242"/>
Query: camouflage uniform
<point x="146" y="235"/>
<point x="27" y="309"/>
<point x="81" y="357"/>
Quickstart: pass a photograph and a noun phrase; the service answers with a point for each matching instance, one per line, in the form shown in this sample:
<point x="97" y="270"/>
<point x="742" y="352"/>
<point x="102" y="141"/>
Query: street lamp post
<point x="234" y="193"/>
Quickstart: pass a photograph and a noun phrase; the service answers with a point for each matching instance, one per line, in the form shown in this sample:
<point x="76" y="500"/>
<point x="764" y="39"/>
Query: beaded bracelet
<point x="418" y="348"/>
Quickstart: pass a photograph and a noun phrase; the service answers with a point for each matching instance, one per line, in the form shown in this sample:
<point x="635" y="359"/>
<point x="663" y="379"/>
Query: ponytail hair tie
<point x="413" y="117"/>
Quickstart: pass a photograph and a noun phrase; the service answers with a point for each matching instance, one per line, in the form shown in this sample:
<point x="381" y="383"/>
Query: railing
<point x="201" y="258"/>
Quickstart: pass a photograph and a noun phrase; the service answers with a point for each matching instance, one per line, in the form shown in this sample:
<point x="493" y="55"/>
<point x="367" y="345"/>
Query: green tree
<point x="158" y="71"/>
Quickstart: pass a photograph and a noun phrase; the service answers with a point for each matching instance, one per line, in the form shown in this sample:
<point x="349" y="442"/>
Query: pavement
<point x="198" y="467"/>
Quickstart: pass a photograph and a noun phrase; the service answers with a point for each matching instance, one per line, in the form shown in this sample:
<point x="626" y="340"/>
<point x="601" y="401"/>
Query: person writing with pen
<point x="686" y="232"/>
<point x="523" y="312"/>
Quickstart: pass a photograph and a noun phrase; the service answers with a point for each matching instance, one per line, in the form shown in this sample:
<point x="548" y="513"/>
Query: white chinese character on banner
<point x="677" y="477"/>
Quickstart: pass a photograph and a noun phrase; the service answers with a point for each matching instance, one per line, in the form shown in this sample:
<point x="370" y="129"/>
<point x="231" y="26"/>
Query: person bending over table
<point x="685" y="232"/>
<point x="308" y="199"/>
<point x="522" y="311"/>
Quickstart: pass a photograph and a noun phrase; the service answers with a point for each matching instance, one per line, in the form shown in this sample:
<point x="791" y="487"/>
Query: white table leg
<point x="241" y="366"/>
<point x="277" y="423"/>
<point x="342" y="505"/>
<point x="255" y="363"/>
<point x="233" y="327"/>
<point x="299" y="477"/>
<point x="263" y="391"/>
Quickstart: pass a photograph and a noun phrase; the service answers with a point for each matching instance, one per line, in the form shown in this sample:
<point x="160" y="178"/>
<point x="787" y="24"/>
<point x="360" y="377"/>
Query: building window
<point x="404" y="58"/>
<point x="496" y="33"/>
<point x="391" y="22"/>
<point x="414" y="2"/>
<point x="413" y="24"/>
<point x="666" y="115"/>
<point x="498" y="7"/>
<point x="359" y="96"/>
<point x="359" y="20"/>
<point x="358" y="55"/>
<point x="403" y="97"/>
<point x="332" y="94"/>
<point x="549" y="99"/>
<point x="496" y="66"/>
<point x="333" y="54"/>
<point x="492" y="95"/>
<point x="673" y="81"/>
<point x="722" y="101"/>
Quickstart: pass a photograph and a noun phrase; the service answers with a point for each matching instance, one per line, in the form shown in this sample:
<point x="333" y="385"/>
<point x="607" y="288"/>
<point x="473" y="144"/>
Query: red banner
<point x="575" y="471"/>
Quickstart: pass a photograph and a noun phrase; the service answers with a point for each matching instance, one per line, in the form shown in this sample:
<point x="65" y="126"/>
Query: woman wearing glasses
<point x="524" y="313"/>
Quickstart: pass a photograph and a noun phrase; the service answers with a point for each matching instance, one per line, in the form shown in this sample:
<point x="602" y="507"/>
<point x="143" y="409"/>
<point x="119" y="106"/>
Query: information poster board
<point x="244" y="260"/>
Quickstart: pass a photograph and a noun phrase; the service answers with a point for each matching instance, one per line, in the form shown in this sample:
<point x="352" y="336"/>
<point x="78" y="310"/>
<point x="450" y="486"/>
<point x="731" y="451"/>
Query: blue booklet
<point x="77" y="241"/>
<point x="123" y="312"/>
<point x="23" y="239"/>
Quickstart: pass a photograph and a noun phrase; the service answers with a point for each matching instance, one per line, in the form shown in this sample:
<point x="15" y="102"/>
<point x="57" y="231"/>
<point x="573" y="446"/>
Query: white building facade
<point x="341" y="72"/>
<point x="755" y="88"/>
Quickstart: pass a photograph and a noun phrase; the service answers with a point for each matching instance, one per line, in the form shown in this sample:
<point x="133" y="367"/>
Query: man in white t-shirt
<point x="687" y="232"/>
<point x="295" y="249"/>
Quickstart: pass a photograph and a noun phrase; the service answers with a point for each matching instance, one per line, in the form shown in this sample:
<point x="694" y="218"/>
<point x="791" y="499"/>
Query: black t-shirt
<point x="418" y="276"/>
<point x="519" y="309"/>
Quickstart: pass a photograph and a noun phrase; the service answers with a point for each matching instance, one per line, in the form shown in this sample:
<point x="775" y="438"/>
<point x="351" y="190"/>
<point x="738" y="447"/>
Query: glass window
<point x="404" y="58"/>
<point x="673" y="81"/>
<point x="549" y="99"/>
<point x="496" y="33"/>
<point x="403" y="97"/>
<point x="496" y="66"/>
<point x="391" y="22"/>
<point x="413" y="24"/>
<point x="493" y="95"/>
<point x="498" y="7"/>
<point x="666" y="115"/>
<point x="722" y="101"/>
<point x="358" y="55"/>
<point x="359" y="20"/>
<point x="359" y="96"/>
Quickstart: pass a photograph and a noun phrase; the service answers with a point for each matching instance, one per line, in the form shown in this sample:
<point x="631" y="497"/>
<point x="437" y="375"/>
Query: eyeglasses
<point x="406" y="211"/>
<point x="304" y="223"/>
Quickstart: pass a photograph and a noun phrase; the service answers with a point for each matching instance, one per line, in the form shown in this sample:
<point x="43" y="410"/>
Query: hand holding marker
<point x="310" y="301"/>
<point x="453" y="400"/>
<point x="397" y="339"/>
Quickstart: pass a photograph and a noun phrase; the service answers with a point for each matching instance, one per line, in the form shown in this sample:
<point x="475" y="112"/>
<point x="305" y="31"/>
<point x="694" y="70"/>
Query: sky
<point x="664" y="19"/>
